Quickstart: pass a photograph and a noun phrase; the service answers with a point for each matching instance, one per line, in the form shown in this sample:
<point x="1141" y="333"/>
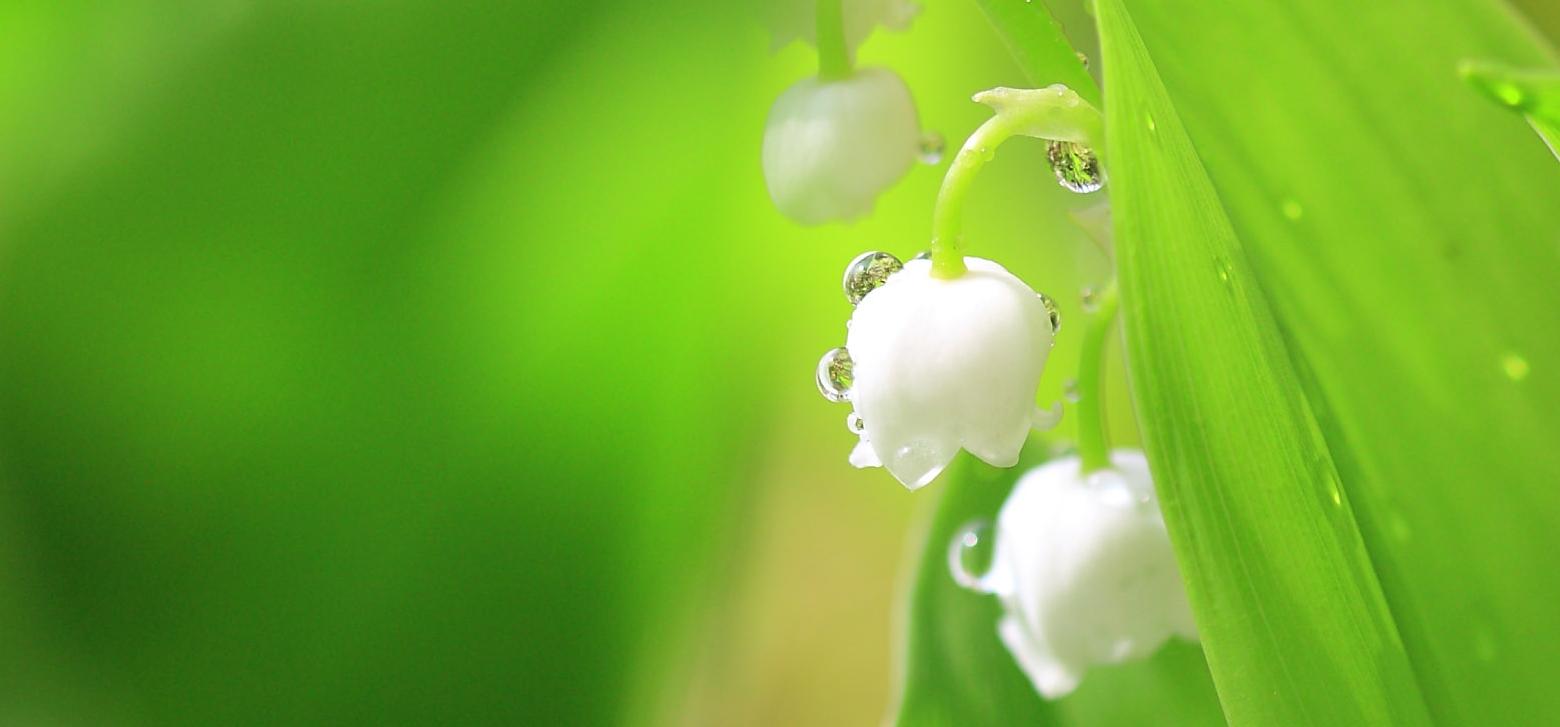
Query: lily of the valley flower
<point x="1084" y="570"/>
<point x="832" y="146"/>
<point x="796" y="19"/>
<point x="940" y="364"/>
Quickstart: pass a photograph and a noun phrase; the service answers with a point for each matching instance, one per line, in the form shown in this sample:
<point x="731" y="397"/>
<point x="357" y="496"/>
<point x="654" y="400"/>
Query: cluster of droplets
<point x="868" y="272"/>
<point x="1077" y="167"/>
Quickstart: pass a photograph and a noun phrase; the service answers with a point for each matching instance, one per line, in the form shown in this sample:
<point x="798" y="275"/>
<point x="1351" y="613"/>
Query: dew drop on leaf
<point x="1090" y="298"/>
<point x="969" y="555"/>
<point x="932" y="146"/>
<point x="1077" y="167"/>
<point x="1514" y="366"/>
<point x="1070" y="391"/>
<point x="835" y="375"/>
<point x="867" y="272"/>
<point x="1292" y="210"/>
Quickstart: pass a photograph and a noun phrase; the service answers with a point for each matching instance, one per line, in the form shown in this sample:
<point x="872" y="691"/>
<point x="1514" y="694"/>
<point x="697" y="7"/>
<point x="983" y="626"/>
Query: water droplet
<point x="1083" y="59"/>
<point x="932" y="146"/>
<point x="1090" y="299"/>
<point x="1514" y="366"/>
<point x="1221" y="266"/>
<point x="1070" y="391"/>
<point x="854" y="424"/>
<point x="1153" y="128"/>
<point x="835" y="375"/>
<point x="923" y="255"/>
<point x="969" y="555"/>
<point x="1398" y="527"/>
<point x="1056" y="315"/>
<point x="1077" y="167"/>
<point x="1292" y="210"/>
<point x="868" y="272"/>
<point x="1337" y="495"/>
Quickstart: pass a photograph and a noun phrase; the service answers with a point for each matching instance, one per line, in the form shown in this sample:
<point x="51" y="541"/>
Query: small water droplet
<point x="923" y="255"/>
<point x="969" y="555"/>
<point x="1292" y="210"/>
<point x="868" y="272"/>
<point x="1090" y="299"/>
<point x="1509" y="94"/>
<point x="835" y="375"/>
<point x="1514" y="366"/>
<point x="854" y="424"/>
<point x="1056" y="315"/>
<point x="932" y="146"/>
<point x="1221" y="266"/>
<point x="1337" y="495"/>
<point x="1083" y="59"/>
<point x="1398" y="527"/>
<point x="1070" y="391"/>
<point x="1153" y="128"/>
<point x="1077" y="167"/>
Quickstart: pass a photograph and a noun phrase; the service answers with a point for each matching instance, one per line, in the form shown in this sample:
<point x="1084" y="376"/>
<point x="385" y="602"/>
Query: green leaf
<point x="1534" y="94"/>
<point x="1041" y="49"/>
<point x="957" y="671"/>
<point x="1403" y="231"/>
<point x="1294" y="623"/>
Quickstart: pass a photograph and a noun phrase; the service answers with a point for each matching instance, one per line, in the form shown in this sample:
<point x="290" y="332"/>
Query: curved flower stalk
<point x="940" y="364"/>
<point x="1084" y="570"/>
<point x="831" y="146"/>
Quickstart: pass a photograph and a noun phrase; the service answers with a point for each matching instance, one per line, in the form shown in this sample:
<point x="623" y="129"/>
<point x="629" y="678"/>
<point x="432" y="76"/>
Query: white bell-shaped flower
<point x="939" y="364"/>
<point x="832" y="146"/>
<point x="797" y="19"/>
<point x="1085" y="572"/>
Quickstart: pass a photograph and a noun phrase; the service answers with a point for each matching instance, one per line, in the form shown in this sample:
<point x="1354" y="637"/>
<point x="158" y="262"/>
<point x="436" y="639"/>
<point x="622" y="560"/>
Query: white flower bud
<point x="940" y="364"/>
<point x="797" y="19"/>
<point x="831" y="147"/>
<point x="1085" y="572"/>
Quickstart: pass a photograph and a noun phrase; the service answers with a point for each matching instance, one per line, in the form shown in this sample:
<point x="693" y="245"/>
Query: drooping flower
<point x="940" y="364"/>
<point x="792" y="20"/>
<point x="832" y="146"/>
<point x="1084" y="570"/>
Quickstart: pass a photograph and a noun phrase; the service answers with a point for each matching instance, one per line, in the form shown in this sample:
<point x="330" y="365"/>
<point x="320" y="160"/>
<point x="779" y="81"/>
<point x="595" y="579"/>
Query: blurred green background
<point x="418" y="362"/>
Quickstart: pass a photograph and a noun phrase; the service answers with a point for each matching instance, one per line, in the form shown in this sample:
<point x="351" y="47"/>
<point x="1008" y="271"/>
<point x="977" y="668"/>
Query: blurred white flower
<point x="1085" y="572"/>
<point x="939" y="364"/>
<point x="831" y="147"/>
<point x="792" y="20"/>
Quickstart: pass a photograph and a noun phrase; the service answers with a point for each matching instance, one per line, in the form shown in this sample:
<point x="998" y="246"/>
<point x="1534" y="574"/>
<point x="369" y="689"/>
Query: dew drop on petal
<point x="867" y="272"/>
<point x="969" y="555"/>
<point x="932" y="147"/>
<point x="1077" y="167"/>
<point x="854" y="424"/>
<point x="835" y="375"/>
<point x="1050" y="309"/>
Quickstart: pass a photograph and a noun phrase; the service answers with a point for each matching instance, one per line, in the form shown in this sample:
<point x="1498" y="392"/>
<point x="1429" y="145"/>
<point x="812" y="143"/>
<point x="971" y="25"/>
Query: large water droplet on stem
<point x="1077" y="167"/>
<point x="969" y="555"/>
<point x="835" y="375"/>
<point x="867" y="272"/>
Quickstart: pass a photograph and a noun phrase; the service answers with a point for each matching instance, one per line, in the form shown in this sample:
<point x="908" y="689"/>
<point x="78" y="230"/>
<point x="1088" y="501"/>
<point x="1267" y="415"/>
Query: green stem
<point x="1054" y="112"/>
<point x="948" y="215"/>
<point x="833" y="56"/>
<point x="1093" y="440"/>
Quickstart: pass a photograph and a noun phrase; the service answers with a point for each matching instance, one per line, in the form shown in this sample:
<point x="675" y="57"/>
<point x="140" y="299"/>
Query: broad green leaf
<point x="1039" y="46"/>
<point x="1293" y="620"/>
<point x="957" y="672"/>
<point x="1404" y="232"/>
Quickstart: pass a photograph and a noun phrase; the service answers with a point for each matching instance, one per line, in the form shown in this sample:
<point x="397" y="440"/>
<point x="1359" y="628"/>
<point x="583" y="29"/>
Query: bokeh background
<point x="413" y="362"/>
